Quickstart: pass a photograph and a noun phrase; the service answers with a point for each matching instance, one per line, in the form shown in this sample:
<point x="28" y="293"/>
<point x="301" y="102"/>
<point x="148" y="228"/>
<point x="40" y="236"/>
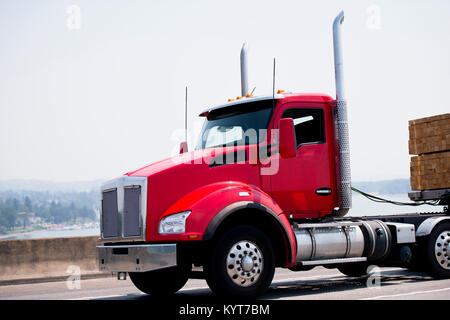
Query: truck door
<point x="305" y="183"/>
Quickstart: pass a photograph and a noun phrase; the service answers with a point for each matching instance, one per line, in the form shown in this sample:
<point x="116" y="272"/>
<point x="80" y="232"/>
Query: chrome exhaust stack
<point x="341" y="125"/>
<point x="338" y="63"/>
<point x="244" y="71"/>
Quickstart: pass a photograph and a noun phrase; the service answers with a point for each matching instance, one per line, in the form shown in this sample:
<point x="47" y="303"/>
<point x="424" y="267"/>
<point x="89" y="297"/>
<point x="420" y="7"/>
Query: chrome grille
<point x="124" y="209"/>
<point x="131" y="211"/>
<point x="110" y="214"/>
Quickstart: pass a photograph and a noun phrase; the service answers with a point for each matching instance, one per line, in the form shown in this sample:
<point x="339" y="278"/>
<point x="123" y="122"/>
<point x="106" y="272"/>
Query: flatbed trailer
<point x="441" y="195"/>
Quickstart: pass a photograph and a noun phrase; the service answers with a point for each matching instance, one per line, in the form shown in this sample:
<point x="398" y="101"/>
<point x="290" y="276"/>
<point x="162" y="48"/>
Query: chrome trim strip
<point x="349" y="242"/>
<point x="313" y="243"/>
<point x="387" y="232"/>
<point x="298" y="226"/>
<point x="371" y="236"/>
<point x="332" y="261"/>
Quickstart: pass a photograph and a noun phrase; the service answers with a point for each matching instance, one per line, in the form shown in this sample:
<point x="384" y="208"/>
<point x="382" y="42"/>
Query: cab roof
<point x="285" y="97"/>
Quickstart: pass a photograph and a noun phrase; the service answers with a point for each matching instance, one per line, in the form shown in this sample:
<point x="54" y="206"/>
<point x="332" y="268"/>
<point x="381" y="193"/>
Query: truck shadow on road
<point x="321" y="288"/>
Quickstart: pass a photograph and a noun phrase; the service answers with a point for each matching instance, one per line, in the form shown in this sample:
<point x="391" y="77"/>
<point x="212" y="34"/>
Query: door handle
<point x="323" y="191"/>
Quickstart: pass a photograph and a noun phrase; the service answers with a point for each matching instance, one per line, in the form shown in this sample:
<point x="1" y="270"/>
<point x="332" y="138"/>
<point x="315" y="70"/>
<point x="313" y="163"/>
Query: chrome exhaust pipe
<point x="341" y="124"/>
<point x="338" y="63"/>
<point x="244" y="71"/>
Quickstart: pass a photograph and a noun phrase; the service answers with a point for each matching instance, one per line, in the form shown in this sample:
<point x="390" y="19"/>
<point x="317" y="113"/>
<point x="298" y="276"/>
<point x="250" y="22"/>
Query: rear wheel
<point x="437" y="254"/>
<point x="160" y="282"/>
<point x="242" y="263"/>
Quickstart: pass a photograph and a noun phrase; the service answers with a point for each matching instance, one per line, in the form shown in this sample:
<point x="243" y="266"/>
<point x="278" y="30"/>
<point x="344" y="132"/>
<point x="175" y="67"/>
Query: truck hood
<point x="191" y="159"/>
<point x="172" y="178"/>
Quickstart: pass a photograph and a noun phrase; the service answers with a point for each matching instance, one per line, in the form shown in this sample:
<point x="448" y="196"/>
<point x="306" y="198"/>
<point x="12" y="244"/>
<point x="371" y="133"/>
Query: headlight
<point x="174" y="223"/>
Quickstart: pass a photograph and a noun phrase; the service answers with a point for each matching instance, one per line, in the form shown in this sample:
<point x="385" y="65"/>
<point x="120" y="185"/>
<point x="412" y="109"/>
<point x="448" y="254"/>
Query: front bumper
<point x="136" y="258"/>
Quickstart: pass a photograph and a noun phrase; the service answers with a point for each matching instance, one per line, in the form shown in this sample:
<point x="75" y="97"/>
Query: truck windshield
<point x="236" y="125"/>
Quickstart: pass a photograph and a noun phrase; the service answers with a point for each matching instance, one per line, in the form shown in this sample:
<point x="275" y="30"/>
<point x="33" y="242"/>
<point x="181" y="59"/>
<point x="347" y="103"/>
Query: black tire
<point x="437" y="255"/>
<point x="241" y="263"/>
<point x="415" y="267"/>
<point x="417" y="262"/>
<point x="160" y="282"/>
<point x="354" y="269"/>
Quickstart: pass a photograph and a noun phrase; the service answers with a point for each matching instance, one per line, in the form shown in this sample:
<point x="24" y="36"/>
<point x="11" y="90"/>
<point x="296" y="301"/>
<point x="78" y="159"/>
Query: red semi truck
<point x="267" y="186"/>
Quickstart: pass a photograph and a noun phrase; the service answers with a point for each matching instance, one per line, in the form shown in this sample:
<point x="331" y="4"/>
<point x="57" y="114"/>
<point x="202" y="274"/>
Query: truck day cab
<point x="267" y="186"/>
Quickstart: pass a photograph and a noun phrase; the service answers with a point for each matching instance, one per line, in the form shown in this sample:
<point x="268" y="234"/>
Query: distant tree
<point x="8" y="217"/>
<point x="51" y="207"/>
<point x="28" y="204"/>
<point x="53" y="211"/>
<point x="16" y="204"/>
<point x="73" y="212"/>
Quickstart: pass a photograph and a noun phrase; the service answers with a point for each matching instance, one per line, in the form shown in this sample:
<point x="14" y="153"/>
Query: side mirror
<point x="287" y="141"/>
<point x="183" y="147"/>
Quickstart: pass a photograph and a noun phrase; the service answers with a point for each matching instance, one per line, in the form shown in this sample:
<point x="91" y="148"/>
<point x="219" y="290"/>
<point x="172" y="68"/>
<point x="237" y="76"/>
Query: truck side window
<point x="308" y="124"/>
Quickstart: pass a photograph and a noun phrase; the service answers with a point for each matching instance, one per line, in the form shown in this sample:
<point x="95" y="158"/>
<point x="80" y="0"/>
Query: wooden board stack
<point x="429" y="139"/>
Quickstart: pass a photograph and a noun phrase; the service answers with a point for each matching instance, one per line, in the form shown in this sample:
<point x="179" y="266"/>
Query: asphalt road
<point x="317" y="284"/>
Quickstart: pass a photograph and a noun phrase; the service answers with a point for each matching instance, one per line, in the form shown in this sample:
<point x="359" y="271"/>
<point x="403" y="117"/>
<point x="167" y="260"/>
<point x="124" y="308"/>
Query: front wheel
<point x="242" y="263"/>
<point x="160" y="282"/>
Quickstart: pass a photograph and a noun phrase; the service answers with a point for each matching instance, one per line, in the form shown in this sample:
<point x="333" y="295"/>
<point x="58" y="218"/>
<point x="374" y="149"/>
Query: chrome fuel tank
<point x="329" y="241"/>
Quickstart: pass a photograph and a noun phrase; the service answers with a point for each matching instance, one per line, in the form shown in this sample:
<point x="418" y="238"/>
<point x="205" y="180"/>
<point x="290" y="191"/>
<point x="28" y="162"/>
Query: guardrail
<point x="42" y="260"/>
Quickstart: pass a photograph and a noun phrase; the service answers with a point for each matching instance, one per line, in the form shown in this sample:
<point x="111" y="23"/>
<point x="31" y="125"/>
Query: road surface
<point x="317" y="284"/>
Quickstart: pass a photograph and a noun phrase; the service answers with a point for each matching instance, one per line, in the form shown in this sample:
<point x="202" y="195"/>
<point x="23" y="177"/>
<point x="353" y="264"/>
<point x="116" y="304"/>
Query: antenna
<point x="185" y="114"/>
<point x="273" y="95"/>
<point x="183" y="144"/>
<point x="273" y="80"/>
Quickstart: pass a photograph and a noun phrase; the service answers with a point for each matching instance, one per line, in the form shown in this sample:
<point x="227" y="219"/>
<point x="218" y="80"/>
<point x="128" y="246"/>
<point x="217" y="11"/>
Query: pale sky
<point x="96" y="97"/>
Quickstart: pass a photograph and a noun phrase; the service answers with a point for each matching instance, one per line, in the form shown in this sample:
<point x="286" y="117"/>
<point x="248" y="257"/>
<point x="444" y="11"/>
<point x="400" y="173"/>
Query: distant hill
<point x="398" y="186"/>
<point x="51" y="186"/>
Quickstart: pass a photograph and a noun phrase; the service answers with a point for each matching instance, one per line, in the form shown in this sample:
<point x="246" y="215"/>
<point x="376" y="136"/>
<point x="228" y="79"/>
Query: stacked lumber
<point x="429" y="139"/>
<point x="430" y="171"/>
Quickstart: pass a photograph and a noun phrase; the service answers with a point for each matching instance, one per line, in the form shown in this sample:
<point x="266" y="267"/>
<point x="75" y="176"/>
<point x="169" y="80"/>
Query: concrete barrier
<point x="38" y="260"/>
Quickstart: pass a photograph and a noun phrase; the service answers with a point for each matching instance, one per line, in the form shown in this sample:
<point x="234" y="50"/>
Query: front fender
<point x="427" y="226"/>
<point x="279" y="219"/>
<point x="211" y="204"/>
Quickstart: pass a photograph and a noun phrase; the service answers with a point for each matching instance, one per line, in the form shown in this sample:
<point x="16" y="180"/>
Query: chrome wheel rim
<point x="245" y="263"/>
<point x="442" y="249"/>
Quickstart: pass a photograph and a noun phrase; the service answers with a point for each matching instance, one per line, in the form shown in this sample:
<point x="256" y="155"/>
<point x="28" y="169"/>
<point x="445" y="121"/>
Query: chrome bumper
<point x="136" y="258"/>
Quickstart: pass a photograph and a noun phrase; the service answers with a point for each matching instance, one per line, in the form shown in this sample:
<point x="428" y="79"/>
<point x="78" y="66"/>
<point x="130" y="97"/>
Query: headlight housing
<point x="175" y="223"/>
